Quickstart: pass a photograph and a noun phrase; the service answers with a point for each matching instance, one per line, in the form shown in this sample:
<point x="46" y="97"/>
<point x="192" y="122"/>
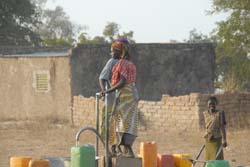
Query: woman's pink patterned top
<point x="125" y="68"/>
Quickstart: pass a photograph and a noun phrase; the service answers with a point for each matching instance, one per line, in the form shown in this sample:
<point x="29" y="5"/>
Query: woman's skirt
<point x="124" y="119"/>
<point x="211" y="149"/>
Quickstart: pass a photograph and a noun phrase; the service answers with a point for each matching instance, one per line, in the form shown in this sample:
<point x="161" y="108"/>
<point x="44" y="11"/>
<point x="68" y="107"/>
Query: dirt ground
<point x="38" y="139"/>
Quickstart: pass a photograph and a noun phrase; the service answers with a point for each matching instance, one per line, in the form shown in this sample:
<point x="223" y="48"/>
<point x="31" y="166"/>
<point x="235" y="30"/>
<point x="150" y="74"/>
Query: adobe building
<point x="34" y="84"/>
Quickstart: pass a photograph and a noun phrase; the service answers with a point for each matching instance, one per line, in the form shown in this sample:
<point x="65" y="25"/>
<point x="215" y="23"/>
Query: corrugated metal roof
<point x="40" y="54"/>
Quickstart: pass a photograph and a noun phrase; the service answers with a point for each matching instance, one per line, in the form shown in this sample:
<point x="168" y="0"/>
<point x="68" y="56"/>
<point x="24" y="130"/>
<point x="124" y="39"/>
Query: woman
<point x="215" y="136"/>
<point x="105" y="80"/>
<point x="124" y="115"/>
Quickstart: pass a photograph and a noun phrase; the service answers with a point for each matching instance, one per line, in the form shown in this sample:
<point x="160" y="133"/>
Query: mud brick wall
<point x="179" y="112"/>
<point x="182" y="113"/>
<point x="175" y="113"/>
<point x="20" y="98"/>
<point x="83" y="111"/>
<point x="236" y="107"/>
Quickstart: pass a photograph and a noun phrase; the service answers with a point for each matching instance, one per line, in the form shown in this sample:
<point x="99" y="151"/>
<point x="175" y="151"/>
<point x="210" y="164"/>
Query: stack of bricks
<point x="84" y="112"/>
<point x="174" y="113"/>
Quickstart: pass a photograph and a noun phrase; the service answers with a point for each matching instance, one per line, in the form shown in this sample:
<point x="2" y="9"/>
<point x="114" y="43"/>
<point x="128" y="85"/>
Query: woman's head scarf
<point x="123" y="40"/>
<point x="117" y="45"/>
<point x="122" y="45"/>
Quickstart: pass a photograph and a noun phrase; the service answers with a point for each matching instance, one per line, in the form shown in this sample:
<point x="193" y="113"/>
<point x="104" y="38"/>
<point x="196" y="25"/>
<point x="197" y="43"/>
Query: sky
<point x="152" y="21"/>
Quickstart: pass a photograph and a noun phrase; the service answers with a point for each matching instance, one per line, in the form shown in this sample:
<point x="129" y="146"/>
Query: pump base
<point x="122" y="162"/>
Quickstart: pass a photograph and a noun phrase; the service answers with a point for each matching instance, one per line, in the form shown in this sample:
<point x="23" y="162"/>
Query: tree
<point x="17" y="22"/>
<point x="83" y="38"/>
<point x="56" y="28"/>
<point x="198" y="37"/>
<point x="233" y="44"/>
<point x="98" y="40"/>
<point x="111" y="31"/>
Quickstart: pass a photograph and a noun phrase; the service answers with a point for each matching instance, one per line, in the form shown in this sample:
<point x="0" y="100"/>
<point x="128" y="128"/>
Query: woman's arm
<point x="224" y="135"/>
<point x="119" y="85"/>
<point x="223" y="128"/>
<point x="102" y="84"/>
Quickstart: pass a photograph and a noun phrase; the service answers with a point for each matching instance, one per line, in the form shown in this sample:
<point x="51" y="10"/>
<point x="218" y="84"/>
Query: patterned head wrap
<point x="123" y="40"/>
<point x="122" y="44"/>
<point x="117" y="45"/>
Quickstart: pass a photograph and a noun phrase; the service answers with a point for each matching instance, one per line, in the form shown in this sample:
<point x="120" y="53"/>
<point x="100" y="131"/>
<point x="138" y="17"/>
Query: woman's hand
<point x="224" y="144"/>
<point x="102" y="93"/>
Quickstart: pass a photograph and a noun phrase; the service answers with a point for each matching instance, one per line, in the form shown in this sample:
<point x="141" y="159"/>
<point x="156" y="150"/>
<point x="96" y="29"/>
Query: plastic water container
<point x="217" y="163"/>
<point x="39" y="163"/>
<point x="148" y="153"/>
<point x="20" y="161"/>
<point x="83" y="156"/>
<point x="165" y="160"/>
<point x="58" y="161"/>
<point x="179" y="160"/>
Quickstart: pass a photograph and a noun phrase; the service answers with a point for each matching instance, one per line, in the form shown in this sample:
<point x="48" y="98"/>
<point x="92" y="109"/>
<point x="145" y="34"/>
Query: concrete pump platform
<point x="122" y="162"/>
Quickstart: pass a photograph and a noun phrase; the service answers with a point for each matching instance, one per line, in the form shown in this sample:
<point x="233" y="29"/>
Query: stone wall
<point x="174" y="113"/>
<point x="21" y="100"/>
<point x="174" y="69"/>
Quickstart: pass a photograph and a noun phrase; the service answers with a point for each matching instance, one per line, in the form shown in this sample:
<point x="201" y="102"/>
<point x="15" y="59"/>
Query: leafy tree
<point x="83" y="38"/>
<point x="111" y="31"/>
<point x="17" y="22"/>
<point x="40" y="5"/>
<point x="58" y="41"/>
<point x="56" y="28"/>
<point x="233" y="44"/>
<point x="98" y="40"/>
<point x="198" y="37"/>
